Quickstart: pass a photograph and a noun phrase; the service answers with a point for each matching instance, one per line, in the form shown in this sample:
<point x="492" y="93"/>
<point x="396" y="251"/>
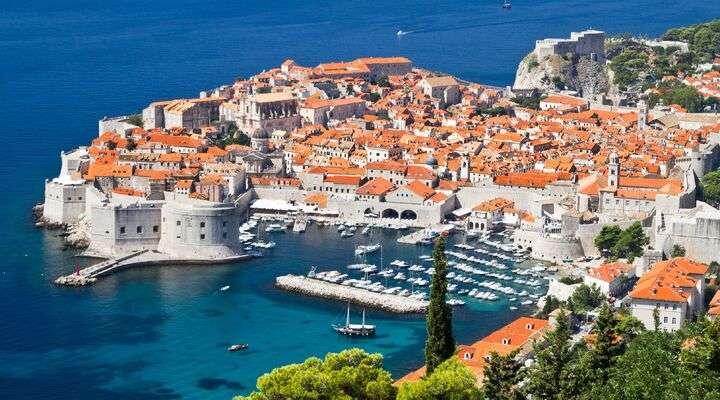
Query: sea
<point x="161" y="332"/>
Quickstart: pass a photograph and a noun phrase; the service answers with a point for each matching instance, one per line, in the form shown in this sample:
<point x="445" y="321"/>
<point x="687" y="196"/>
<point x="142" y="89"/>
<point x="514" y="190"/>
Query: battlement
<point x="586" y="43"/>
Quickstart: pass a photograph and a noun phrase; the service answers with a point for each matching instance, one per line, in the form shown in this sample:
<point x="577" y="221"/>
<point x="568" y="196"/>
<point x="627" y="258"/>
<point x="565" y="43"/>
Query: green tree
<point x="111" y="145"/>
<point x="374" y="97"/>
<point x="450" y="381"/>
<point x="629" y="327"/>
<point x="585" y="298"/>
<point x="551" y="375"/>
<point x="608" y="237"/>
<point x="131" y="145"/>
<point x="643" y="371"/>
<point x="677" y="251"/>
<point x="551" y="304"/>
<point x="135" y="119"/>
<point x="241" y="139"/>
<point x="383" y="81"/>
<point x="501" y="377"/>
<point x="350" y="374"/>
<point x="440" y="344"/>
<point x="631" y="242"/>
<point x="711" y="188"/>
<point x="606" y="346"/>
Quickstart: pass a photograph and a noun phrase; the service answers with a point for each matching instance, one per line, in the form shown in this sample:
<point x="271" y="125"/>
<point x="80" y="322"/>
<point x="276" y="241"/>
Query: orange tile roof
<point x="610" y="271"/>
<point x="495" y="204"/>
<point x="666" y="279"/>
<point x="128" y="192"/>
<point x="376" y="187"/>
<point x="343" y="179"/>
<point x="420" y="189"/>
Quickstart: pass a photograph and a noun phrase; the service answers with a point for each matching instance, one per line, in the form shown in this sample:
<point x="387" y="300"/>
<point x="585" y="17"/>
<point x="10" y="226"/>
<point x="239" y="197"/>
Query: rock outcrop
<point x="552" y="73"/>
<point x="77" y="235"/>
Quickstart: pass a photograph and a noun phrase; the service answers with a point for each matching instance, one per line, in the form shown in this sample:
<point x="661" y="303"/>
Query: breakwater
<point x="91" y="274"/>
<point x="317" y="288"/>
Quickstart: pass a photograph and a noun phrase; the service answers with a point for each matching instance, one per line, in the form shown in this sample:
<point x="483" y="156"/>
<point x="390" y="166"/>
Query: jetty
<point x="429" y="232"/>
<point x="91" y="274"/>
<point x="327" y="290"/>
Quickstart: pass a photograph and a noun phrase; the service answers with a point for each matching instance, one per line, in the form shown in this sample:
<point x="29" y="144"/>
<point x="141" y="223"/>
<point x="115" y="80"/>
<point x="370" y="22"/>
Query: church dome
<point x="430" y="160"/>
<point x="259" y="133"/>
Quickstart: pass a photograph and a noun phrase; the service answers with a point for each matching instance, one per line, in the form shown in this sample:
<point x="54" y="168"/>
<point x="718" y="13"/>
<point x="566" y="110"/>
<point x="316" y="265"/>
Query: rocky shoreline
<point x="75" y="236"/>
<point x="317" y="288"/>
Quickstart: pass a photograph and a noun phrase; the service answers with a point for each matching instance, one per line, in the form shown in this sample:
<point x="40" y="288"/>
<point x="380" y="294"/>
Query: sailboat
<point x="354" y="329"/>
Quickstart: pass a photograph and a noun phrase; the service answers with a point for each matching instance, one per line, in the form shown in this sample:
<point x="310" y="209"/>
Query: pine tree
<point x="606" y="344"/>
<point x="550" y="375"/>
<point x="501" y="376"/>
<point x="440" y="344"/>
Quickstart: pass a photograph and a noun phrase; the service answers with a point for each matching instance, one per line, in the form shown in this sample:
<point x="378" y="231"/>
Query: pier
<point x="327" y="290"/>
<point x="91" y="274"/>
<point x="415" y="237"/>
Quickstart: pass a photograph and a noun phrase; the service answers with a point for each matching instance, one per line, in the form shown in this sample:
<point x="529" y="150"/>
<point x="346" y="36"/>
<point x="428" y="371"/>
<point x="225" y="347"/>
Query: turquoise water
<point x="161" y="332"/>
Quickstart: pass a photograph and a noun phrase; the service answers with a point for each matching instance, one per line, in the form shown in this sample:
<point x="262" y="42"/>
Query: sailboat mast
<point x="347" y="318"/>
<point x="363" y="321"/>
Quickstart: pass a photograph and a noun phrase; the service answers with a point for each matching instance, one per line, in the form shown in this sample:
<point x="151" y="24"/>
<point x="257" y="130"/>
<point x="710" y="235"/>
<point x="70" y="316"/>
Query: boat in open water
<point x="349" y="329"/>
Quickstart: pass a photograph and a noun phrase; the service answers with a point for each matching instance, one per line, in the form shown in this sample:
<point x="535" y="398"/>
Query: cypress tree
<point x="440" y="344"/>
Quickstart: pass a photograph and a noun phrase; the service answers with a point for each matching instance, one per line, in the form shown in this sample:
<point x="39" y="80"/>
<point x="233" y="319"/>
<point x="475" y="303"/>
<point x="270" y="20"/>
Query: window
<point x="224" y="223"/>
<point x="177" y="223"/>
<point x="674" y="306"/>
<point x="122" y="230"/>
<point x="224" y="235"/>
<point x="156" y="228"/>
<point x="138" y="229"/>
<point x="202" y="237"/>
<point x="202" y="224"/>
<point x="69" y="198"/>
<point x="665" y="319"/>
<point x="80" y="198"/>
<point x="674" y="320"/>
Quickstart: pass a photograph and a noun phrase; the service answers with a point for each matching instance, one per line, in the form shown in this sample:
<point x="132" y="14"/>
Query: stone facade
<point x="265" y="111"/>
<point x="586" y="43"/>
<point x="198" y="229"/>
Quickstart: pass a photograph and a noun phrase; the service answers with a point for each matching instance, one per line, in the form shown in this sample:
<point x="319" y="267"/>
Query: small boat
<point x="236" y="347"/>
<point x="354" y="329"/>
<point x="224" y="288"/>
<point x="401" y="33"/>
<point x="346" y="234"/>
<point x="360" y="250"/>
<point x="366" y="230"/>
<point x="507" y="5"/>
<point x="275" y="228"/>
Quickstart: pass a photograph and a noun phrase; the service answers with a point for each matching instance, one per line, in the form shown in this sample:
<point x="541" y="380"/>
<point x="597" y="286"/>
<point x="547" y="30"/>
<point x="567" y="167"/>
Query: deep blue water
<point x="161" y="332"/>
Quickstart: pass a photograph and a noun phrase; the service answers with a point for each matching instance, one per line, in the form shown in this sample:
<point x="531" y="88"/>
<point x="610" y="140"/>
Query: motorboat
<point x="224" y="288"/>
<point x="275" y="228"/>
<point x="237" y="347"/>
<point x="366" y="249"/>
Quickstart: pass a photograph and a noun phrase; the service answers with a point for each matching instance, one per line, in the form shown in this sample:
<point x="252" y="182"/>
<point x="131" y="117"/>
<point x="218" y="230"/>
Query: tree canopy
<point x="608" y="237"/>
<point x="450" y="381"/>
<point x="711" y="188"/>
<point x="350" y="374"/>
<point x="628" y="243"/>
<point x="440" y="344"/>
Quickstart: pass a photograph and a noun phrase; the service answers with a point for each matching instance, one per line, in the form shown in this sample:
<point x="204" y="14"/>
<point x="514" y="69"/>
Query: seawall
<point x="317" y="288"/>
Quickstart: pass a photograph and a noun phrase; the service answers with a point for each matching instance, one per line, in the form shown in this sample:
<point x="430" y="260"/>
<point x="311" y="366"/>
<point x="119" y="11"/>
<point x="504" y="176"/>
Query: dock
<point x="91" y="274"/>
<point x="415" y="237"/>
<point x="333" y="291"/>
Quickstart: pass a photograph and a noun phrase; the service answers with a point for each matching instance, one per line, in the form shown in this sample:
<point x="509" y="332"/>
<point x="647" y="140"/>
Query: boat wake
<point x="473" y="26"/>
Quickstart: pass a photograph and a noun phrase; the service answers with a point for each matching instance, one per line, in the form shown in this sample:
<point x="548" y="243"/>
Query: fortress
<point x="589" y="43"/>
